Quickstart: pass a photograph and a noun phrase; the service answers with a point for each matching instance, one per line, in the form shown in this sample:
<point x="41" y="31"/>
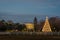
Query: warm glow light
<point x="29" y="26"/>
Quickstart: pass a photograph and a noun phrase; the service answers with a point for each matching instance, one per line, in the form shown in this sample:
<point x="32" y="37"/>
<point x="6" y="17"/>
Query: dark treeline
<point x="10" y="26"/>
<point x="55" y="23"/>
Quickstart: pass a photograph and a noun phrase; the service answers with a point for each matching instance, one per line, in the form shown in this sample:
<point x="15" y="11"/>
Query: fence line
<point x="30" y="33"/>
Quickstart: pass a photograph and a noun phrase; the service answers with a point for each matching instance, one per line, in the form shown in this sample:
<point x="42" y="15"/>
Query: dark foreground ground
<point x="29" y="36"/>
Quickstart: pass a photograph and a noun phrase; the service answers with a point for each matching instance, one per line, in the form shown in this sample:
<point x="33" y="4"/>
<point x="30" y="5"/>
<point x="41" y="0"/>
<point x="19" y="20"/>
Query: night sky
<point x="30" y="7"/>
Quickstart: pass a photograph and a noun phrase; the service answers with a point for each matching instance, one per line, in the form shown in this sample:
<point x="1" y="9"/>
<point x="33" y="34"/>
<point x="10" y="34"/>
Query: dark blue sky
<point x="30" y="7"/>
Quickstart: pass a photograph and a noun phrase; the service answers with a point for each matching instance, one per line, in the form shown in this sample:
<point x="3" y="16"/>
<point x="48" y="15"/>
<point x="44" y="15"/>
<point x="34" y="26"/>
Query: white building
<point x="29" y="26"/>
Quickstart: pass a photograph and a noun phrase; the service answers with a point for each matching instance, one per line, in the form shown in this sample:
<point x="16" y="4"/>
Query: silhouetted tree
<point x="9" y="27"/>
<point x="2" y="20"/>
<point x="35" y="23"/>
<point x="21" y="27"/>
<point x="55" y="23"/>
<point x="41" y="24"/>
<point x="2" y="27"/>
